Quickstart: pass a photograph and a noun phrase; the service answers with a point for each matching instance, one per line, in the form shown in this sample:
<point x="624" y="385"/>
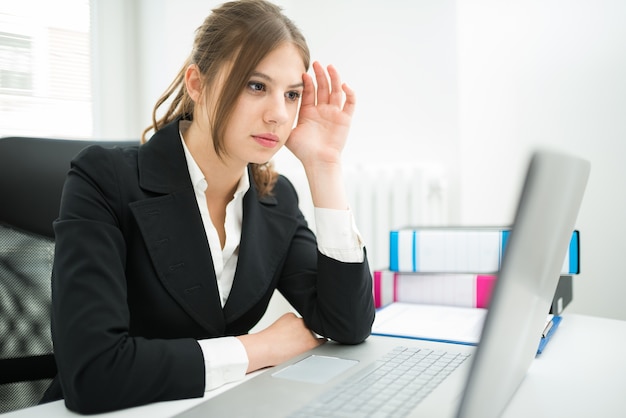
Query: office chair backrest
<point x="32" y="174"/>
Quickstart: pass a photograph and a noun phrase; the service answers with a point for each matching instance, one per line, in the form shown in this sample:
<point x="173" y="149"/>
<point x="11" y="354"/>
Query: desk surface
<point x="581" y="373"/>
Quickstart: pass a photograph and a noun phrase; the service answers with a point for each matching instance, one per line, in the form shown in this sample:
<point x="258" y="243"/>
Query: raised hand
<point x="324" y="119"/>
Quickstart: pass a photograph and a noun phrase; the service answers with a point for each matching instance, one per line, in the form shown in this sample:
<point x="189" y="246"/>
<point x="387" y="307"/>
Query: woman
<point x="167" y="254"/>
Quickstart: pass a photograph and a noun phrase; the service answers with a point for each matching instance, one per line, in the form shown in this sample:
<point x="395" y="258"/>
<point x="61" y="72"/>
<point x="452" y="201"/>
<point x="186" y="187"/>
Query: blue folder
<point x="556" y="320"/>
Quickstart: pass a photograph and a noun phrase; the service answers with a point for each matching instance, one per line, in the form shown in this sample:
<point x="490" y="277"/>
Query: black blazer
<point x="134" y="286"/>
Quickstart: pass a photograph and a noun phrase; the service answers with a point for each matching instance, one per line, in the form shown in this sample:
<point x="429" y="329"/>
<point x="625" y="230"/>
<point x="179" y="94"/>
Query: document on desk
<point x="430" y="322"/>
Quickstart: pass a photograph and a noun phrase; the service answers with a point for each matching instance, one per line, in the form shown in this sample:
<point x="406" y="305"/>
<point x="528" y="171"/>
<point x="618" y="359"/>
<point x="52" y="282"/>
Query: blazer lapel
<point x="265" y="238"/>
<point x="172" y="229"/>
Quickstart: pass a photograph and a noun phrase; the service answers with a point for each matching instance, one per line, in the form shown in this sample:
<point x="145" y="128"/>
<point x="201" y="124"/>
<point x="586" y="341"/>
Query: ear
<point x="193" y="82"/>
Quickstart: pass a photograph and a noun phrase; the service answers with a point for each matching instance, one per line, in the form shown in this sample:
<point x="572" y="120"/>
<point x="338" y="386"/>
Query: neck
<point x="222" y="174"/>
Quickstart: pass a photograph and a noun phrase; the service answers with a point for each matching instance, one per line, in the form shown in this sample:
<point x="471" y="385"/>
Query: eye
<point x="256" y="86"/>
<point x="293" y="95"/>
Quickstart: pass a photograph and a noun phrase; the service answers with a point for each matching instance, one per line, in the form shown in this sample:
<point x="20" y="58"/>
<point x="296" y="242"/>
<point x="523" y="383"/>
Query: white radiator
<point x="390" y="196"/>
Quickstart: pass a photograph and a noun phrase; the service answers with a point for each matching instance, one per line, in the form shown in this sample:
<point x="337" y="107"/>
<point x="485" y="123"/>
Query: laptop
<point x="484" y="377"/>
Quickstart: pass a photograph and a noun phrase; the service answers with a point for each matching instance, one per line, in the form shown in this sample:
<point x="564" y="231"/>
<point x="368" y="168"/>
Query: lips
<point x="268" y="140"/>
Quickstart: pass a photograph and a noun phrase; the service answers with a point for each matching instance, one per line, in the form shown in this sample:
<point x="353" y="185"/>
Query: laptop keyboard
<point x="391" y="387"/>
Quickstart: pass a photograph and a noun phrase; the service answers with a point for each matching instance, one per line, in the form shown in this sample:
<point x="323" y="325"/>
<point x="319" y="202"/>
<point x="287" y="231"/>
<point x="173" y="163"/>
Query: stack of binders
<point x="458" y="266"/>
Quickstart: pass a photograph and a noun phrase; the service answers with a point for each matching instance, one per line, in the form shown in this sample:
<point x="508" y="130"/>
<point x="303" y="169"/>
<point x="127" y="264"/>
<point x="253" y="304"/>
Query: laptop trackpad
<point x="315" y="369"/>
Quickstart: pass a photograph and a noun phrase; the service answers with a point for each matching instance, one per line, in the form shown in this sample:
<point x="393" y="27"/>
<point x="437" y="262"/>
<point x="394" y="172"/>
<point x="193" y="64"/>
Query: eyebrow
<point x="269" y="79"/>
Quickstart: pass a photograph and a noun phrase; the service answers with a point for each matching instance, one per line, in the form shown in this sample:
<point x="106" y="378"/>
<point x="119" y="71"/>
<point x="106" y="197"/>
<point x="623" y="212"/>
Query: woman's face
<point x="265" y="112"/>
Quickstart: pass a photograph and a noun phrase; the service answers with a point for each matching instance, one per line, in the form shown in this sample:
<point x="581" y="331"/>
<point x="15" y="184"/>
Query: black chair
<point x="32" y="173"/>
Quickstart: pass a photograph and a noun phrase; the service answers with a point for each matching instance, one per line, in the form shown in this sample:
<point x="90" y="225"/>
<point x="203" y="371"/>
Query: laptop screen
<point x="544" y="221"/>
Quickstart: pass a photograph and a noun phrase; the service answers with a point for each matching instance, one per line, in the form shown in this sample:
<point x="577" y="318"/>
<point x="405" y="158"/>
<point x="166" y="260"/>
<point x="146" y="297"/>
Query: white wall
<point x="115" y="69"/>
<point x="472" y="84"/>
<point x="548" y="74"/>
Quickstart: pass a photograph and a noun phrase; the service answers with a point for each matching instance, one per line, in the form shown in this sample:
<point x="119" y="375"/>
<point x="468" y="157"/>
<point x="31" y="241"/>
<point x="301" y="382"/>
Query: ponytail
<point x="264" y="177"/>
<point x="181" y="104"/>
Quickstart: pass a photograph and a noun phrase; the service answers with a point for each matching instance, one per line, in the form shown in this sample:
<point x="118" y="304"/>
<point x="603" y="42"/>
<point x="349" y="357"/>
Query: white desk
<point x="581" y="373"/>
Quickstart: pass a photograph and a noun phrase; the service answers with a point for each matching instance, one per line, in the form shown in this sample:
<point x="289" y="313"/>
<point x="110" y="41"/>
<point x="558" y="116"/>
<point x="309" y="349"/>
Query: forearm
<point x="334" y="297"/>
<point x="338" y="236"/>
<point x="345" y="308"/>
<point x="258" y="351"/>
<point x="327" y="185"/>
<point x="225" y="361"/>
<point x="284" y="339"/>
<point x="133" y="373"/>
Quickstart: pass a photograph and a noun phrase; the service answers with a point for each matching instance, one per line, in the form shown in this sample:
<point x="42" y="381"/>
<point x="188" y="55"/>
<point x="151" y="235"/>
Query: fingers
<point x="350" y="100"/>
<point x="336" y="95"/>
<point x="308" y="93"/>
<point x="332" y="93"/>
<point x="323" y="89"/>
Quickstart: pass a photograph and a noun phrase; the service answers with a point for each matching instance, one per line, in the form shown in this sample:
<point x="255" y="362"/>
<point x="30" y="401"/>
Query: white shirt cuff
<point x="337" y="235"/>
<point x="225" y="361"/>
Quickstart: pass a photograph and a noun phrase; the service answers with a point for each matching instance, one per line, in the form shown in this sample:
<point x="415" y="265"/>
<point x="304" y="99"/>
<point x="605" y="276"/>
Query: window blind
<point x="45" y="68"/>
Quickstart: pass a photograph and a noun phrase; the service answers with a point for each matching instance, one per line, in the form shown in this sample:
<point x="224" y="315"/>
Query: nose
<point x="276" y="111"/>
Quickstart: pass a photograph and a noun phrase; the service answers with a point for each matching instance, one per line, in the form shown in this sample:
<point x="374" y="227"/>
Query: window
<point x="15" y="65"/>
<point x="45" y="68"/>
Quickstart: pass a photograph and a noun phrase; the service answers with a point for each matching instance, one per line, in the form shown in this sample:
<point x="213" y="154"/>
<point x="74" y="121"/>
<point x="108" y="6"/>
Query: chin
<point x="263" y="159"/>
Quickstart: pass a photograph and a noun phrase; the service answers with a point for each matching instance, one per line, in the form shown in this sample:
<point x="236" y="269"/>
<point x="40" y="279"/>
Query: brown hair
<point x="242" y="33"/>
